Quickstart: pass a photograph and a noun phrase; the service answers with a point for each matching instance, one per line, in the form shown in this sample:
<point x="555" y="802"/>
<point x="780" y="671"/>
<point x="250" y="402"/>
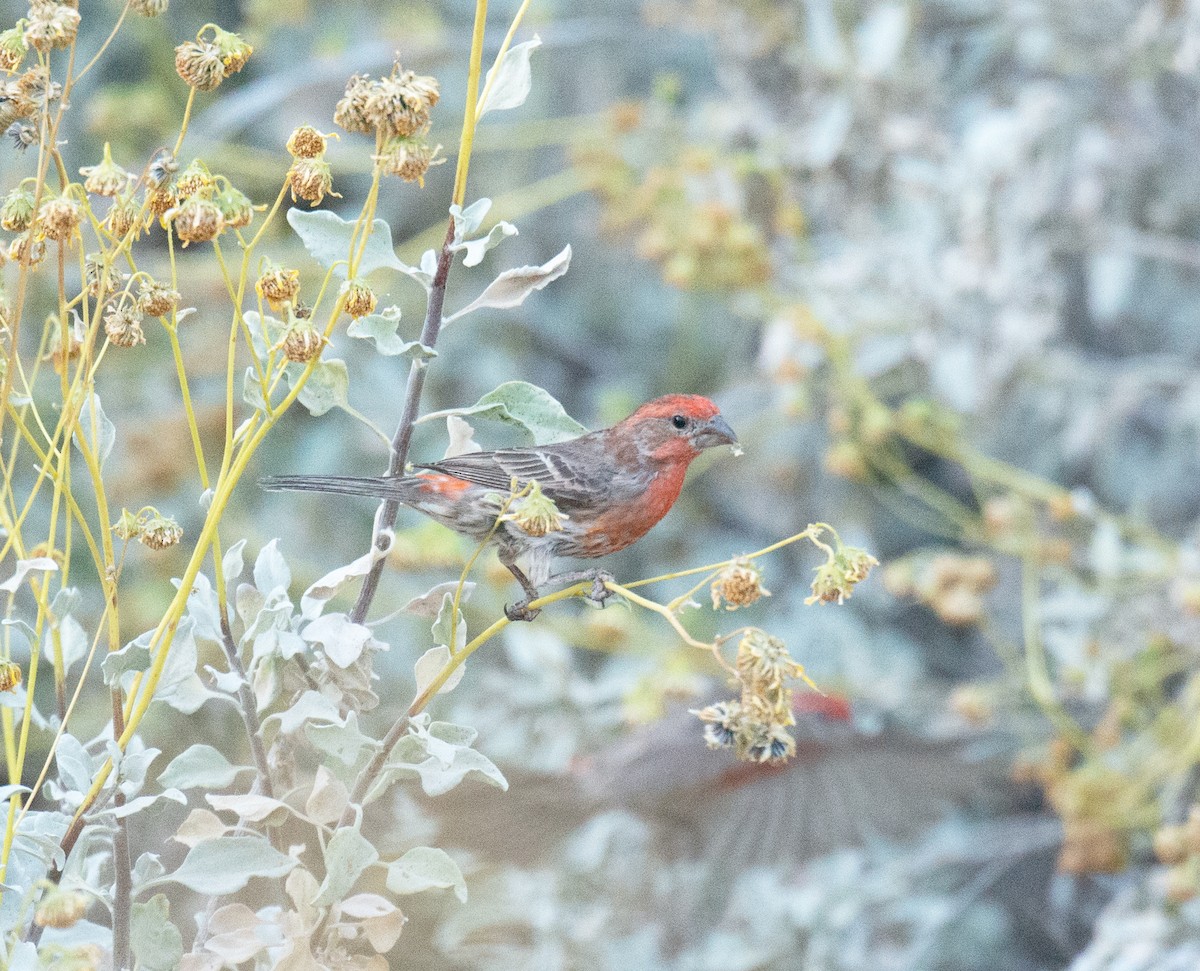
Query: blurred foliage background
<point x="937" y="262"/>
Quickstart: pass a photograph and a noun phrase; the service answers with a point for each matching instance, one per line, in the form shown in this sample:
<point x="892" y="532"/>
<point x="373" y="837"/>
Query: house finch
<point x="608" y="488"/>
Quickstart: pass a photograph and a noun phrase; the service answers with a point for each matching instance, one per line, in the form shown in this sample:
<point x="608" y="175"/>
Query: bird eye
<point x="679" y="421"/>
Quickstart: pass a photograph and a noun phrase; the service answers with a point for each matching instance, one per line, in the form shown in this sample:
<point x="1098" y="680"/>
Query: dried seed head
<point x="16" y="212"/>
<point x="836" y="578"/>
<point x="27" y="251"/>
<point x="160" y="201"/>
<point x="99" y="276"/>
<point x="196" y="220"/>
<point x="408" y="158"/>
<point x="278" y="286"/>
<point x="233" y="51"/>
<point x="763" y="663"/>
<point x="123" y="325"/>
<point x="360" y="299"/>
<point x="157" y="299"/>
<point x="235" y="206"/>
<point x="122" y="216"/>
<point x="535" y="513"/>
<point x="36" y="88"/>
<point x="149" y="8"/>
<point x="306" y="142"/>
<point x="195" y="180"/>
<point x="158" y="532"/>
<point x="738" y="585"/>
<point x="22" y="135"/>
<point x="58" y="219"/>
<point x="351" y="110"/>
<point x="128" y="527"/>
<point x="400" y="104"/>
<point x="10" y="675"/>
<point x="162" y="166"/>
<point x="50" y="25"/>
<point x="61" y="908"/>
<point x="12" y="49"/>
<point x="107" y="178"/>
<point x="199" y="64"/>
<point x="720" y="723"/>
<point x="302" y="342"/>
<point x="310" y="180"/>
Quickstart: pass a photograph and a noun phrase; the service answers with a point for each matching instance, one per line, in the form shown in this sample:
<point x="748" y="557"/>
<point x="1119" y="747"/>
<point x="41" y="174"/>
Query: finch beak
<point x="715" y="431"/>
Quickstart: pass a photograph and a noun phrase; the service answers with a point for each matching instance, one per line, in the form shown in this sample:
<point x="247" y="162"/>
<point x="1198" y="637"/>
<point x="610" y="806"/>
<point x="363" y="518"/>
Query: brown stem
<point x="122" y="890"/>
<point x="248" y="707"/>
<point x="408" y="417"/>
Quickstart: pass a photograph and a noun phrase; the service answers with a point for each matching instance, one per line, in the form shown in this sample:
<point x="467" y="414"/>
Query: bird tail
<point x="389" y="487"/>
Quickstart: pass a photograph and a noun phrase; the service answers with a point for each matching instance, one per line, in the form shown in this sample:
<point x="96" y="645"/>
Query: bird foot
<point x="520" y="611"/>
<point x="599" y="592"/>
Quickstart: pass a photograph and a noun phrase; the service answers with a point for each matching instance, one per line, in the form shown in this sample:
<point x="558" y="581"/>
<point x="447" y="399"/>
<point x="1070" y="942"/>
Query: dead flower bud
<point x="161" y="201"/>
<point x="763" y="663"/>
<point x="233" y="51"/>
<point x="738" y="585"/>
<point x="310" y="179"/>
<point x="158" y="532"/>
<point x="277" y="287"/>
<point x="59" y="218"/>
<point x="360" y="299"/>
<point x="235" y="206"/>
<point x="123" y="326"/>
<point x="10" y="675"/>
<point x="162" y="166"/>
<point x="199" y="64"/>
<point x="157" y="299"/>
<point x="720" y="723"/>
<point x="837" y="577"/>
<point x="535" y="513"/>
<point x="306" y="142"/>
<point x="149" y="8"/>
<point x="408" y="158"/>
<point x="765" y="742"/>
<point x="195" y="180"/>
<point x="12" y="49"/>
<point x="400" y="104"/>
<point x="196" y="220"/>
<point x="61" y="908"/>
<point x="16" y="212"/>
<point x="107" y="178"/>
<point x="27" y="251"/>
<point x="351" y="110"/>
<point x="128" y="527"/>
<point x="302" y="342"/>
<point x="99" y="278"/>
<point x="22" y="135"/>
<point x="51" y="25"/>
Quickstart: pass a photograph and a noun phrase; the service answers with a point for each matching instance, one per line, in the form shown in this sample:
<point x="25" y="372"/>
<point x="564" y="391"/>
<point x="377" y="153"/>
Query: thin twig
<point x="248" y="707"/>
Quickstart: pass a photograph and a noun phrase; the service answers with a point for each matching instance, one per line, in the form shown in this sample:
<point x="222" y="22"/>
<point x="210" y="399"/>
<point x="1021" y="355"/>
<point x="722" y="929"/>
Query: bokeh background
<point x="938" y="264"/>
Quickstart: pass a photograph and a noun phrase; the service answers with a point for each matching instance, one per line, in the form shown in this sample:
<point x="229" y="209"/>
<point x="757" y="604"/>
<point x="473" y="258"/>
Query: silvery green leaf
<point x="328" y="386"/>
<point x="265" y="332"/>
<point x="200" y="826"/>
<point x="512" y="79"/>
<point x="278" y="642"/>
<point x="205" y="611"/>
<point x="237" y="934"/>
<point x="442" y="627"/>
<point x="342" y="639"/>
<point x="74" y="642"/>
<point x="75" y="767"/>
<point x="456" y="735"/>
<point x="462" y="437"/>
<point x="316" y="596"/>
<point x="381" y="328"/>
<point x="225" y="865"/>
<point x="530" y="408"/>
<point x="132" y="658"/>
<point x="429" y="604"/>
<point x="467" y="221"/>
<point x="200" y="767"/>
<point x="65" y="601"/>
<point x="511" y="287"/>
<point x="432" y="663"/>
<point x="94" y="429"/>
<point x="232" y="563"/>
<point x="148" y="867"/>
<point x="180" y="686"/>
<point x="271" y="572"/>
<point x="249" y="806"/>
<point x="328" y="799"/>
<point x="434" y="754"/>
<point x="252" y="391"/>
<point x="248" y="603"/>
<point x="142" y="803"/>
<point x="426" y="868"/>
<point x="327" y="237"/>
<point x="347" y="855"/>
<point x="310" y="708"/>
<point x="132" y="773"/>
<point x="344" y="742"/>
<point x="156" y="942"/>
<point x="16" y="623"/>
<point x="228" y="681"/>
<point x="43" y="564"/>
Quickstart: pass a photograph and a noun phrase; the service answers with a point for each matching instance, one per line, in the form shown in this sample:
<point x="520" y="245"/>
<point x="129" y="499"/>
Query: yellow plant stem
<point x="508" y="39"/>
<point x="472" y="101"/>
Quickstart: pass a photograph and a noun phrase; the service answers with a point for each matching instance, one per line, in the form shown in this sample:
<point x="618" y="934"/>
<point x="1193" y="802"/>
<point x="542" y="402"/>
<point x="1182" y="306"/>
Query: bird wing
<point x="565" y="474"/>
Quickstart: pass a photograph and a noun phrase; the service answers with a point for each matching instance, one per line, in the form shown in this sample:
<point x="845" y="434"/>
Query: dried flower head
<point x="306" y="142"/>
<point x="408" y="158"/>
<point x="107" y="178"/>
<point x="61" y="908"/>
<point x="360" y="299"/>
<point x="738" y="585"/>
<point x="161" y="201"/>
<point x="837" y="577"/>
<point x="13" y="48"/>
<point x="158" y="531"/>
<point x="27" y="251"/>
<point x="16" y="212"/>
<point x="720" y="723"/>
<point x="58" y="219"/>
<point x="351" y="111"/>
<point x="10" y="675"/>
<point x="157" y="299"/>
<point x="37" y="89"/>
<point x="310" y="179"/>
<point x="302" y="342"/>
<point x="22" y="135"/>
<point x="763" y="662"/>
<point x="100" y="277"/>
<point x="50" y="25"/>
<point x="128" y="527"/>
<point x="122" y="216"/>
<point x="235" y="206"/>
<point x="149" y="8"/>
<point x="535" y="513"/>
<point x="278" y="286"/>
<point x="195" y="180"/>
<point x="199" y="64"/>
<point x="196" y="220"/>
<point x="161" y="167"/>
<point x="123" y="325"/>
<point x="400" y="103"/>
<point x="233" y="51"/>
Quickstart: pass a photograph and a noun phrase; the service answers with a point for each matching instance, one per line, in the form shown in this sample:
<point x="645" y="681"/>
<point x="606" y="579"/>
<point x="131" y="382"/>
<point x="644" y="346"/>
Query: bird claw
<point x="600" y="593"/>
<point x="520" y="611"/>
